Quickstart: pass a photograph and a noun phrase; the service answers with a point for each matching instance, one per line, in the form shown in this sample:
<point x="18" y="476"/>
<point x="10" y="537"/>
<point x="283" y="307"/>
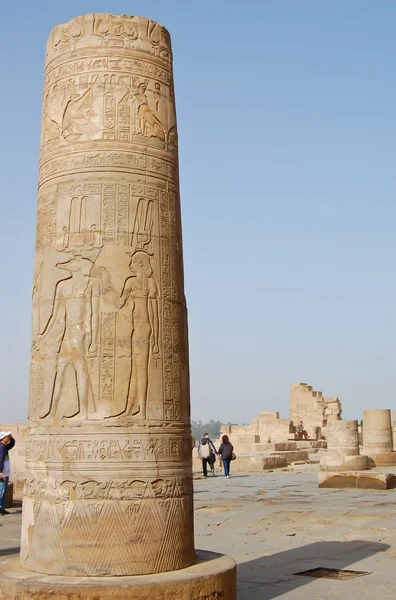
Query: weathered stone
<point x="343" y="448"/>
<point x="212" y="577"/>
<point x="292" y="456"/>
<point x="351" y="479"/>
<point x="382" y="460"/>
<point x="108" y="455"/>
<point x="272" y="462"/>
<point x="311" y="407"/>
<point x="377" y="431"/>
<point x="285" y="446"/>
<point x="332" y="461"/>
<point x="342" y="437"/>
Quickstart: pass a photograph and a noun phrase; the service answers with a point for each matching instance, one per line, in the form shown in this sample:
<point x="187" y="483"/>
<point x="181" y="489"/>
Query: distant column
<point x="342" y="448"/>
<point x="342" y="437"/>
<point x="377" y="431"/>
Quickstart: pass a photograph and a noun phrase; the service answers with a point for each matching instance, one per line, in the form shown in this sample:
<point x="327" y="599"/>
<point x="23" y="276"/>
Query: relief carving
<point x="122" y="449"/>
<point x="71" y="332"/>
<point x="147" y="118"/>
<point x="108" y="454"/>
<point x="105" y="30"/>
<point x="107" y="107"/>
<point x="113" y="489"/>
<point x="140" y="290"/>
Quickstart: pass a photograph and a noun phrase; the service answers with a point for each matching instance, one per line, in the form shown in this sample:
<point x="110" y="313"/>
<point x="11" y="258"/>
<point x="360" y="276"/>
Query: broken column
<point x="342" y="448"/>
<point x="377" y="437"/>
<point x="108" y="457"/>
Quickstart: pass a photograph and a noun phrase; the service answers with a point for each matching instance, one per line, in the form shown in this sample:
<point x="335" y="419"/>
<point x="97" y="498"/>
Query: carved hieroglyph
<point x="109" y="486"/>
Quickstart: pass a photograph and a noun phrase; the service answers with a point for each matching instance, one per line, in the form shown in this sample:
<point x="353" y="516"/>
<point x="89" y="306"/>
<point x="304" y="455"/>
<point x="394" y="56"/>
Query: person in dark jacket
<point x="6" y="443"/>
<point x="207" y="453"/>
<point x="225" y="450"/>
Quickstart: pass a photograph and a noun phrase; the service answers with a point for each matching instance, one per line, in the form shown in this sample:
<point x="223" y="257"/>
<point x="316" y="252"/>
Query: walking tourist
<point x="226" y="451"/>
<point x="207" y="452"/>
<point x="6" y="443"/>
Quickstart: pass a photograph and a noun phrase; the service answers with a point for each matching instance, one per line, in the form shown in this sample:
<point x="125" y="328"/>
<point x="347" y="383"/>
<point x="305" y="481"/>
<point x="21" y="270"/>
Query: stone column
<point x="377" y="431"/>
<point x="378" y="437"/>
<point x="108" y="456"/>
<point x="342" y="437"/>
<point x="342" y="448"/>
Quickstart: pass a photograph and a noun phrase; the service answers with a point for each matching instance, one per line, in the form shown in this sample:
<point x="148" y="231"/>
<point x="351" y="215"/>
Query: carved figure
<point x="76" y="121"/>
<point x="141" y="291"/>
<point x="74" y="320"/>
<point x="145" y="114"/>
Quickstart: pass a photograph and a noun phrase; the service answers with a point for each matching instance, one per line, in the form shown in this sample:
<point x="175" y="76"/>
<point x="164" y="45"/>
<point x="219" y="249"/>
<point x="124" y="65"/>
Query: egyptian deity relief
<point x="106" y="299"/>
<point x="108" y="303"/>
<point x="105" y="94"/>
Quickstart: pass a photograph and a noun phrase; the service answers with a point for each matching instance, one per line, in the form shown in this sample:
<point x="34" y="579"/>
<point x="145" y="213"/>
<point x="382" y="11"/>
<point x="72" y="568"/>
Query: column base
<point x="213" y="577"/>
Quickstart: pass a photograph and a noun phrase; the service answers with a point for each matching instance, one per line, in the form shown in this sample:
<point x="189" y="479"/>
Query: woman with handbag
<point x="226" y="452"/>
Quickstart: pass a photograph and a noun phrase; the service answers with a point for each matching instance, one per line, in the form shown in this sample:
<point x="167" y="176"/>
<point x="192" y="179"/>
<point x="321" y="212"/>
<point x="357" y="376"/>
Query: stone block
<point x="245" y="463"/>
<point x="382" y="460"/>
<point x="273" y="462"/>
<point x="262" y="447"/>
<point x="285" y="446"/>
<point x="356" y="480"/>
<point x="293" y="456"/>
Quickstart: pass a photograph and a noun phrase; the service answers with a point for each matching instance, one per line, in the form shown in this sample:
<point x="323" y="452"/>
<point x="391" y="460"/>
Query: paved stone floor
<point x="280" y="523"/>
<point x="276" y="524"/>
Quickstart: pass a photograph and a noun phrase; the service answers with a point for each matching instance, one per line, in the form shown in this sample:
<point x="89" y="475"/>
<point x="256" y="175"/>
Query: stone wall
<point x="306" y="405"/>
<point x="311" y="407"/>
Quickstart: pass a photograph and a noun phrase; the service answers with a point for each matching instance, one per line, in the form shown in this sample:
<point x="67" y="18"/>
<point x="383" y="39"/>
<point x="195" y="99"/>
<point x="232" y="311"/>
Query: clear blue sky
<point x="286" y="114"/>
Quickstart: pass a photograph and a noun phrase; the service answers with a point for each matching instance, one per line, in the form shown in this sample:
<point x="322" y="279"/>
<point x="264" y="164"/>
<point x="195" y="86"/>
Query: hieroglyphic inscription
<point x="166" y="308"/>
<point x="108" y="208"/>
<point x="175" y="270"/>
<point x="102" y="65"/>
<point x="122" y="448"/>
<point x="46" y="223"/>
<point x="128" y="161"/>
<point x="122" y="225"/>
<point x="113" y="489"/>
<point x="36" y="388"/>
<point x="107" y="365"/>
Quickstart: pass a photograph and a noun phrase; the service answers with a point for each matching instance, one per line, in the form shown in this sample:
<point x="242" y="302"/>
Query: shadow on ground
<point x="271" y="576"/>
<point x="8" y="551"/>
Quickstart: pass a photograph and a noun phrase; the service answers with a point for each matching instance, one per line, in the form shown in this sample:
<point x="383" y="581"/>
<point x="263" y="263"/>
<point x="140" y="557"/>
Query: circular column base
<point x="335" y="462"/>
<point x="213" y="577"/>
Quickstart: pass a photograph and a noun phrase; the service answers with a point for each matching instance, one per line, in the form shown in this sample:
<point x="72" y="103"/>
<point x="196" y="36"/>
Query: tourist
<point x="6" y="443"/>
<point x="301" y="430"/>
<point x="207" y="453"/>
<point x="226" y="452"/>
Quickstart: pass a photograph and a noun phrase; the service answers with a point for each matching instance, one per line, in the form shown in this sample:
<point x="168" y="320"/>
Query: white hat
<point x="4" y="434"/>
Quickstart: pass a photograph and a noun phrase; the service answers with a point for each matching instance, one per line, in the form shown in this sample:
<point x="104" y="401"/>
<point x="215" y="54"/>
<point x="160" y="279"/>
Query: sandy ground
<point x="276" y="524"/>
<point x="280" y="523"/>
